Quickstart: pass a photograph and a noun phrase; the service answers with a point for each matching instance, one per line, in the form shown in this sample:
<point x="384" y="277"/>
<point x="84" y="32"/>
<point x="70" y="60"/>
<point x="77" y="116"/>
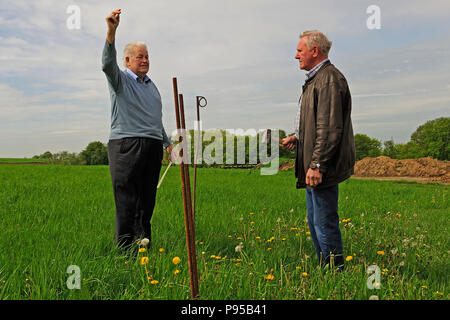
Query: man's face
<point x="138" y="62"/>
<point x="305" y="56"/>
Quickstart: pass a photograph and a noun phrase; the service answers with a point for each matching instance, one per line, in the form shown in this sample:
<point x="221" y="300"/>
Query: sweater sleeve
<point x="166" y="141"/>
<point x="109" y="65"/>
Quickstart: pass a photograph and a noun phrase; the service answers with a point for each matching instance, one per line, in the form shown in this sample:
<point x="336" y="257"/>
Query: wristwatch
<point x="314" y="165"/>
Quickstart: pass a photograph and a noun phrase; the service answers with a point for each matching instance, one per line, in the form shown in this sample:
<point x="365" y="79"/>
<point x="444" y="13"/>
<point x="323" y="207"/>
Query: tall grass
<point x="57" y="216"/>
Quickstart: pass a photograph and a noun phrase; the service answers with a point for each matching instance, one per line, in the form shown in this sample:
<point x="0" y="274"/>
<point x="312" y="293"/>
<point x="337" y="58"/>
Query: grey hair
<point x="128" y="50"/>
<point x="315" y="37"/>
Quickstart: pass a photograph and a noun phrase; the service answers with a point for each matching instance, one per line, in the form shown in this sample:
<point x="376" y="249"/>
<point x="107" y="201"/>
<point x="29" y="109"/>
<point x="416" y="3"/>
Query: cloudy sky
<point x="239" y="54"/>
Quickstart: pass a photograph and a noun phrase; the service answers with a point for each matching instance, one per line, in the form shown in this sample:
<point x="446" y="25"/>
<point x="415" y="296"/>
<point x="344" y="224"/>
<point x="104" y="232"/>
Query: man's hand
<point x="289" y="143"/>
<point x="313" y="177"/>
<point x="169" y="150"/>
<point x="112" y="20"/>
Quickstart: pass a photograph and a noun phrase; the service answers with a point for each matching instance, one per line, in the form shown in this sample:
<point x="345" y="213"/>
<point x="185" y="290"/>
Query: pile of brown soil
<point x="286" y="165"/>
<point x="426" y="168"/>
<point x="422" y="169"/>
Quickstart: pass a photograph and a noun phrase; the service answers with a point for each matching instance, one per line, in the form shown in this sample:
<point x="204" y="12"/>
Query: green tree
<point x="433" y="138"/>
<point x="366" y="146"/>
<point x="390" y="149"/>
<point x="409" y="150"/>
<point x="46" y="155"/>
<point x="95" y="153"/>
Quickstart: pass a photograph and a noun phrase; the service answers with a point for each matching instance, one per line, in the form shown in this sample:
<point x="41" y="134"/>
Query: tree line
<point x="430" y="139"/>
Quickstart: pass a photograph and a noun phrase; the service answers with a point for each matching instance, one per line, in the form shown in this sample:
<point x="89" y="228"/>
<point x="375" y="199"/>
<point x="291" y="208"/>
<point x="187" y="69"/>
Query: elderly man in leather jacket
<point x="324" y="142"/>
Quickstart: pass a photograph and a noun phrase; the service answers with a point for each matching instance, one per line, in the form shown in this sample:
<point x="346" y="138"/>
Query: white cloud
<point x="238" y="54"/>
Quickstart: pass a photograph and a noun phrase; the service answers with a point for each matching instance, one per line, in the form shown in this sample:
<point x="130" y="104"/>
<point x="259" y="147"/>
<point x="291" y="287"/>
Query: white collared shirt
<point x="135" y="76"/>
<point x="309" y="75"/>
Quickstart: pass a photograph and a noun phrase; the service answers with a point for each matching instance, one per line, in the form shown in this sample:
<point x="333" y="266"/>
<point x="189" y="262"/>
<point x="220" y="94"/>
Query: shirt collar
<point x="314" y="70"/>
<point x="131" y="73"/>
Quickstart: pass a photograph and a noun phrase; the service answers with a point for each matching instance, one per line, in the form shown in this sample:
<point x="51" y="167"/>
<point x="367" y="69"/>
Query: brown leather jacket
<point x="326" y="132"/>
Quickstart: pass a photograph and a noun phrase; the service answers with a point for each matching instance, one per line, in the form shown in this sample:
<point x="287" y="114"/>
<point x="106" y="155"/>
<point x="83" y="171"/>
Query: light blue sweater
<point x="136" y="108"/>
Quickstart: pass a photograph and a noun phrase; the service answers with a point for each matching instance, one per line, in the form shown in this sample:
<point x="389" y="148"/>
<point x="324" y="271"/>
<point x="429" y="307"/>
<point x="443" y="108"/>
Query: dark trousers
<point x="134" y="165"/>
<point x="323" y="220"/>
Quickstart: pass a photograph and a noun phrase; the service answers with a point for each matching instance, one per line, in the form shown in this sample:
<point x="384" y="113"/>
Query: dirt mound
<point x="286" y="165"/>
<point x="422" y="169"/>
<point x="382" y="166"/>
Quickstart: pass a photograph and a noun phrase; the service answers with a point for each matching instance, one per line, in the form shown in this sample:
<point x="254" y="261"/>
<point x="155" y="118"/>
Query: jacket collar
<point x="314" y="71"/>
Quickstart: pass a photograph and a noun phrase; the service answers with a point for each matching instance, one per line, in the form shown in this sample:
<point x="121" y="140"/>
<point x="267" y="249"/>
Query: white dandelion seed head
<point x="144" y="242"/>
<point x="239" y="247"/>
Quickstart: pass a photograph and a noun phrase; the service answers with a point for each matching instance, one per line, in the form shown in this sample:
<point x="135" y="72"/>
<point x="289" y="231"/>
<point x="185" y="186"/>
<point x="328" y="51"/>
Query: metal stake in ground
<point x="201" y="102"/>
<point x="186" y="190"/>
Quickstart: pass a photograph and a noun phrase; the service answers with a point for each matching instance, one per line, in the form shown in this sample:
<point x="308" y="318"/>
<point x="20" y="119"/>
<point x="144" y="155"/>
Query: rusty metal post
<point x="186" y="190"/>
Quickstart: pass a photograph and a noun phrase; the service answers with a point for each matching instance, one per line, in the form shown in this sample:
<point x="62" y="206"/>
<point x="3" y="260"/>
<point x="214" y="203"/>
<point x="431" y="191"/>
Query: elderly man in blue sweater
<point x="137" y="136"/>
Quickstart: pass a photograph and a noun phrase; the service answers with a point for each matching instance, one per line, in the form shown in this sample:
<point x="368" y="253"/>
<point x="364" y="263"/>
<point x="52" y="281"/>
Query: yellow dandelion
<point x="176" y="271"/>
<point x="298" y="267"/>
<point x="252" y="222"/>
<point x="142" y="249"/>
<point x="305" y="274"/>
<point x="380" y="252"/>
<point x="213" y="256"/>
<point x="161" y="250"/>
<point x="252" y="213"/>
<point x="283" y="239"/>
<point x="154" y="282"/>
<point x="258" y="237"/>
<point x="308" y="233"/>
<point x="176" y="260"/>
<point x="200" y="243"/>
<point x="144" y="260"/>
<point x="269" y="277"/>
<point x="349" y="258"/>
<point x="424" y="287"/>
<point x="268" y="249"/>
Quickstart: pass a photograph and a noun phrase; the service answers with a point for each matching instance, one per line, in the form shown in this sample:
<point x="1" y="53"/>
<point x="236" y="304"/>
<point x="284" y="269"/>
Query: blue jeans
<point x="323" y="220"/>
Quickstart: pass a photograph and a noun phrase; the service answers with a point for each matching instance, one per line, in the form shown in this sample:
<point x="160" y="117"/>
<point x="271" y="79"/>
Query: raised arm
<point x="112" y="20"/>
<point x="109" y="56"/>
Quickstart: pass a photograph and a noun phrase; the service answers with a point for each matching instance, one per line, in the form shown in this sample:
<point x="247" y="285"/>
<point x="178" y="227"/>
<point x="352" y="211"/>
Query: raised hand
<point x="112" y="20"/>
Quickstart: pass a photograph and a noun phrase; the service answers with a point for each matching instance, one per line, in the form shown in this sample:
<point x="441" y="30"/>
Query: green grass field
<point x="54" y="216"/>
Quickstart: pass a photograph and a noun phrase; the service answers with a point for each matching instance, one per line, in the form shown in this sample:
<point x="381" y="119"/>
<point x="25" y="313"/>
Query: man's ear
<point x="316" y="52"/>
<point x="127" y="60"/>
